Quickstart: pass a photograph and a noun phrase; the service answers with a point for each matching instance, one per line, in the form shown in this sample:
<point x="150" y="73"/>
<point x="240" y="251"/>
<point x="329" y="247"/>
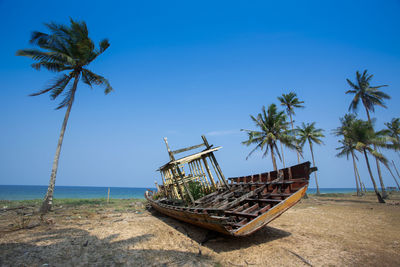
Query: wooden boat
<point x="239" y="207"/>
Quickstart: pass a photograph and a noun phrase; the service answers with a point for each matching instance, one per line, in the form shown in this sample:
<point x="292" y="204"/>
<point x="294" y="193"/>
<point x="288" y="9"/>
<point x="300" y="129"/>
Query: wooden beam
<point x="186" y="149"/>
<point x="171" y="155"/>
<point x="209" y="172"/>
<point x="216" y="163"/>
<point x="184" y="183"/>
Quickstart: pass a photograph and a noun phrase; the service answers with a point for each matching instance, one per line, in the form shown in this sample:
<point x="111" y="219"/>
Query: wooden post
<point x="203" y="173"/>
<point x="184" y="183"/>
<point x="176" y="184"/>
<point x="108" y="195"/>
<point x="209" y="172"/>
<point x="216" y="163"/>
<point x="171" y="155"/>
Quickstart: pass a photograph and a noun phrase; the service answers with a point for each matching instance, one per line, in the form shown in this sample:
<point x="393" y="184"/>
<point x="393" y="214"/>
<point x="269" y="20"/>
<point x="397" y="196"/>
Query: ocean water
<point x="23" y="192"/>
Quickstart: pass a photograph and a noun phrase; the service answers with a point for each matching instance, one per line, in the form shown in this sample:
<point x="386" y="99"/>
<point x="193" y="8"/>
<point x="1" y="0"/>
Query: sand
<point x="321" y="231"/>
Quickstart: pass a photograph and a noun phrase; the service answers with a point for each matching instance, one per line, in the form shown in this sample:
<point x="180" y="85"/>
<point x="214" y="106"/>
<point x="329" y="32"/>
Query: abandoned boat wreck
<point x="239" y="207"/>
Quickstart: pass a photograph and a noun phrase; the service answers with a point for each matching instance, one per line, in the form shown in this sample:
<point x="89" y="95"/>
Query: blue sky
<point x="184" y="68"/>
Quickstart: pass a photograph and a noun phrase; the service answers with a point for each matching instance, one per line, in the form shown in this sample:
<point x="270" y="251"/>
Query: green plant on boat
<point x="196" y="189"/>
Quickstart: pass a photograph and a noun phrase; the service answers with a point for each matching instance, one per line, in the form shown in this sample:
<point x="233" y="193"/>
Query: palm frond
<point x="58" y="84"/>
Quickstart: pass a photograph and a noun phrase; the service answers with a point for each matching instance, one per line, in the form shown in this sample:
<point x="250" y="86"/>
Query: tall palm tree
<point x="393" y="129"/>
<point x="272" y="128"/>
<point x="66" y="49"/>
<point x="362" y="133"/>
<point x="370" y="96"/>
<point x="308" y="132"/>
<point x="347" y="146"/>
<point x="290" y="101"/>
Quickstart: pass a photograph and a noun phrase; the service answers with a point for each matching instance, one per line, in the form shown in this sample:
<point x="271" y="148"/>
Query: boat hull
<point x="250" y="203"/>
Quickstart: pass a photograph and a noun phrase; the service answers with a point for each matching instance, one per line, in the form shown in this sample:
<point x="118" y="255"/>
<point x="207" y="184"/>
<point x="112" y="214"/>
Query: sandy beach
<point x="320" y="231"/>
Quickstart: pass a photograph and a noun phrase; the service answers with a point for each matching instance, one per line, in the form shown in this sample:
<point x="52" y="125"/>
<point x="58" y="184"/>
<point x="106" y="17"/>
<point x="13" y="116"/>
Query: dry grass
<point x="324" y="231"/>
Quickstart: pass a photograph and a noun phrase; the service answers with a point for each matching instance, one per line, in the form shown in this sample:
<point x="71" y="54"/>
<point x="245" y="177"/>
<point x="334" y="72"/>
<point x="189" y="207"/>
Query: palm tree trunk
<point x="359" y="181"/>
<point x="273" y="157"/>
<point x="315" y="173"/>
<point x="48" y="199"/>
<point x="394" y="178"/>
<point x="355" y="173"/>
<point x="291" y="121"/>
<point x="384" y="194"/>
<point x="394" y="165"/>
<point x="378" y="195"/>
<point x="283" y="156"/>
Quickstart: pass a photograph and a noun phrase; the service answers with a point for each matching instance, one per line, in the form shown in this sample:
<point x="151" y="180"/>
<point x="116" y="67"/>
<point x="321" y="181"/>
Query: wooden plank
<point x="195" y="156"/>
<point x="240" y="199"/>
<point x="215" y="162"/>
<point x="209" y="172"/>
<point x="241" y="214"/>
<point x="186" y="149"/>
<point x="251" y="209"/>
<point x="264" y="209"/>
<point x="264" y="200"/>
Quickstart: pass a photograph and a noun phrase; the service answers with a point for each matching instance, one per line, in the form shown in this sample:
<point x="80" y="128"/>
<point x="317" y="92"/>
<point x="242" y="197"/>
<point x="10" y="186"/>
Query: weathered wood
<point x="216" y="163"/>
<point x="171" y="155"/>
<point x="241" y="214"/>
<point x="186" y="149"/>
<point x="209" y="172"/>
<point x="184" y="183"/>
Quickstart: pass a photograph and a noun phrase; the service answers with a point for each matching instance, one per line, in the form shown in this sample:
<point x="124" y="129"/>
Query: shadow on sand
<point x="219" y="242"/>
<point x="76" y="247"/>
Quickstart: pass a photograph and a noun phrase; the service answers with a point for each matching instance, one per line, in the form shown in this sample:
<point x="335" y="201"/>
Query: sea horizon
<point x="29" y="192"/>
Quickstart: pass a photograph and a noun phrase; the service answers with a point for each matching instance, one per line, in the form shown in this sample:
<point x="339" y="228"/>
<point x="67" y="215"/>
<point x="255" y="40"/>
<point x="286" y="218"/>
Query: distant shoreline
<point x="30" y="192"/>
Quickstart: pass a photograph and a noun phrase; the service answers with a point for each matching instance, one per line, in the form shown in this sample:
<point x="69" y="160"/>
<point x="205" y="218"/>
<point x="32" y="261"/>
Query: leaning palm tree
<point x="308" y="132"/>
<point x="362" y="133"/>
<point x="347" y="146"/>
<point x="66" y="49"/>
<point x="370" y="97"/>
<point x="290" y="101"/>
<point x="393" y="129"/>
<point x="272" y="128"/>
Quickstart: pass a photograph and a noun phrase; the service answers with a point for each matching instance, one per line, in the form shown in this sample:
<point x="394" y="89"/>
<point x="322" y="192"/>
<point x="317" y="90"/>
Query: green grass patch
<point x="72" y="202"/>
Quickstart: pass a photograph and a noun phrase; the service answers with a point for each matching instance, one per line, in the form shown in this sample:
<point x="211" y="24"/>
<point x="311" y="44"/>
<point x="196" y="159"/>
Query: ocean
<point x="24" y="192"/>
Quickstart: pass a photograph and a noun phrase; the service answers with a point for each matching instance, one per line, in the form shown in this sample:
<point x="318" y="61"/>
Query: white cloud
<point x="226" y="132"/>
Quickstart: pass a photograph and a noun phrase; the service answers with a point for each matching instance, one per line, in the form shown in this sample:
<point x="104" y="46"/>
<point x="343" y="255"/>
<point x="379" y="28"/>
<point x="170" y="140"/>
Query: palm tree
<point x="363" y="135"/>
<point x="66" y="49"/>
<point x="347" y="149"/>
<point x="290" y="102"/>
<point x="308" y="132"/>
<point x="347" y="146"/>
<point x="369" y="96"/>
<point x="272" y="128"/>
<point x="393" y="129"/>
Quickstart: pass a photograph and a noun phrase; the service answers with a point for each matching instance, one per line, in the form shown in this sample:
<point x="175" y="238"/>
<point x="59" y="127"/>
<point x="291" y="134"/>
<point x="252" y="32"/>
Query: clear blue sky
<point x="184" y="68"/>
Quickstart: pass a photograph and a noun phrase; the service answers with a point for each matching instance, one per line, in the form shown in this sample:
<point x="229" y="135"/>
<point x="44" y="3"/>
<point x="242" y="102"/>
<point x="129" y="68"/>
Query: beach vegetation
<point x="290" y="102"/>
<point x="370" y="96"/>
<point x="67" y="49"/>
<point x="272" y="127"/>
<point x="308" y="132"/>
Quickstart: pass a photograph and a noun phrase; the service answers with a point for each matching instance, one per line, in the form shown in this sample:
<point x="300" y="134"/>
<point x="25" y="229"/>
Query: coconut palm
<point x="370" y="97"/>
<point x="66" y="49"/>
<point x="348" y="147"/>
<point x="365" y="138"/>
<point x="272" y="128"/>
<point x="290" y="101"/>
<point x="393" y="129"/>
<point x="308" y="132"/>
